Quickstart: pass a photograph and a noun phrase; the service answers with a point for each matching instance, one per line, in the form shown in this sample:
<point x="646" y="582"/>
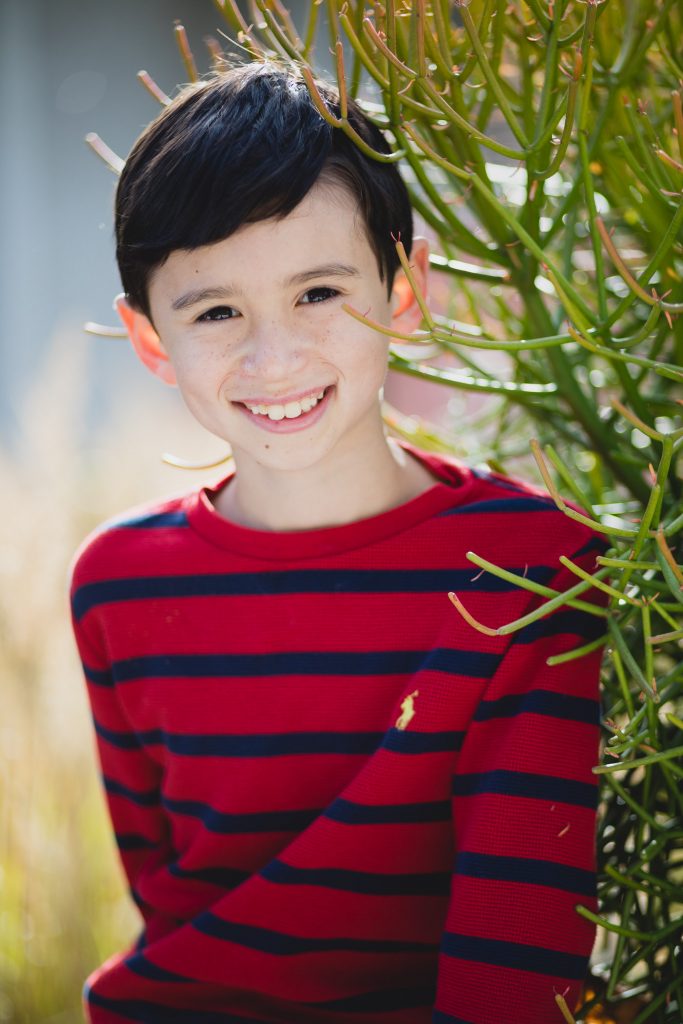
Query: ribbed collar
<point x="454" y="485"/>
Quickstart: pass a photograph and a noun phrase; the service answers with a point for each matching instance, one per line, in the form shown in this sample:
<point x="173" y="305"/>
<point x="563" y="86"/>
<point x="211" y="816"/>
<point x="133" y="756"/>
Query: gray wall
<point x="68" y="67"/>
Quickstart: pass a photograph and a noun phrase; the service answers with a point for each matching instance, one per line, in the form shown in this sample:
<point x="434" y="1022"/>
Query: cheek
<point x="369" y="354"/>
<point x="370" y="366"/>
<point x="199" y="371"/>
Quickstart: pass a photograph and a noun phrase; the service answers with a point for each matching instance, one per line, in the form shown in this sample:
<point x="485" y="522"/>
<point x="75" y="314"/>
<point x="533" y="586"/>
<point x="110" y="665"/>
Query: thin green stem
<point x="609" y="926"/>
<point x="661" y="755"/>
<point x="492" y="78"/>
<point x="630" y="662"/>
<point x="467" y="127"/>
<point x="578" y="652"/>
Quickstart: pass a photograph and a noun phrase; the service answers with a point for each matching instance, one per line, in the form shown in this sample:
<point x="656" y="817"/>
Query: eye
<point x="218" y="313"/>
<point x="321" y="294"/>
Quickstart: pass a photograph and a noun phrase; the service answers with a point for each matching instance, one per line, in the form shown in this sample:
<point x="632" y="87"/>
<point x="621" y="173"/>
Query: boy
<point x="334" y="800"/>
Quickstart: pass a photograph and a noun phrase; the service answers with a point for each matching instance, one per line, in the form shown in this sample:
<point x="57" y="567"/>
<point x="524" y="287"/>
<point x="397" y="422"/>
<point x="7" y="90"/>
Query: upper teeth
<point x="290" y="411"/>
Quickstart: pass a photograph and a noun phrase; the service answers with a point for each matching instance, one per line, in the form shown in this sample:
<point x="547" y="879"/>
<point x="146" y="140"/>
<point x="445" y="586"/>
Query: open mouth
<point x="291" y="413"/>
<point x="289" y="410"/>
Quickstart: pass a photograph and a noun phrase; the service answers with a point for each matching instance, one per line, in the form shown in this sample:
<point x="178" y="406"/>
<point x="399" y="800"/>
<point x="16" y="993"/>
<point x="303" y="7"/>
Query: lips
<point x="290" y="410"/>
<point x="288" y="414"/>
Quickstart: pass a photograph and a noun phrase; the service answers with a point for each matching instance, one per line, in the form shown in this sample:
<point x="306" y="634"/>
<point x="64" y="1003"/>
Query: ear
<point x="145" y="340"/>
<point x="406" y="313"/>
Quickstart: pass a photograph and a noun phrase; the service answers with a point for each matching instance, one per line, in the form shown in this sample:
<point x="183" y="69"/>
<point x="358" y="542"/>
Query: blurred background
<point x="67" y="68"/>
<point x="82" y="427"/>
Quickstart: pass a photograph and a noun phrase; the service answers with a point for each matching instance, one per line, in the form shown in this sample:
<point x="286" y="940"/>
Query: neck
<point x="346" y="488"/>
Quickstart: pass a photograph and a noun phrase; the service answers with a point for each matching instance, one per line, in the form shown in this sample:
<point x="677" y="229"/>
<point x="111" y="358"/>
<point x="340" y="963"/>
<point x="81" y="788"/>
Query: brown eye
<point x="318" y="295"/>
<point x="218" y="313"/>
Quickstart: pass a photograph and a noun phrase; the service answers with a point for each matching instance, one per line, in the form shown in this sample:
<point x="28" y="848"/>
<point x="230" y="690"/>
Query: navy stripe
<point x="154" y="1013"/>
<point x="282" y="944"/>
<point x="497" y="953"/>
<point x="132" y="841"/>
<point x="595" y="543"/>
<point x="301" y="581"/>
<point x="383" y="1001"/>
<point x="527" y="870"/>
<point x="144" y="798"/>
<point x="138" y="901"/>
<point x="231" y="824"/>
<point x="139" y="964"/>
<point x="227" y="878"/>
<point x="540" y="702"/>
<point x="524" y="503"/>
<point x="99" y="677"/>
<point x="267" y="745"/>
<point x="503" y="483"/>
<point x="388" y="814"/>
<point x="433" y="883"/>
<point x="476" y="664"/>
<point x="123" y="740"/>
<point x="282" y="744"/>
<point x="150" y="520"/>
<point x="439" y="1017"/>
<point x="565" y="620"/>
<point x="538" y="787"/>
<point x="406" y="741"/>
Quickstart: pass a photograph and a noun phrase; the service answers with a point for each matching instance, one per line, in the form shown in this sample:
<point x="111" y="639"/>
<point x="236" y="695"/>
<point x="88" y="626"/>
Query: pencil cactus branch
<point x="378" y="42"/>
<point x="579" y="517"/>
<point x="153" y="89"/>
<point x="677" y="103"/>
<point x="564" y="1009"/>
<point x="556" y="600"/>
<point x="417" y="291"/>
<point x="216" y="52"/>
<point x="104" y="152"/>
<point x="245" y="35"/>
<point x="344" y="125"/>
<point x="186" y="53"/>
<point x="598" y="583"/>
<point x="104" y="331"/>
<point x="491" y="77"/>
<point x="568" y="129"/>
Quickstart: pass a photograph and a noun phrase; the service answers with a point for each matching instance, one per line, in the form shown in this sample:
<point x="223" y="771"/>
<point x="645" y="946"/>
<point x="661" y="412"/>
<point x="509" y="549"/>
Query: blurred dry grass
<point x="63" y="902"/>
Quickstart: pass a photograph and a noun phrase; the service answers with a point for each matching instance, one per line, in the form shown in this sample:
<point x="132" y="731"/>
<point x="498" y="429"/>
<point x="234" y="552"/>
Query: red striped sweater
<point x="334" y="800"/>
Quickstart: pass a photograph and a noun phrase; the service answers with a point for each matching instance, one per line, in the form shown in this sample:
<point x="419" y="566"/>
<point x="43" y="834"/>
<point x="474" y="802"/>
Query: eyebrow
<point x="197" y="295"/>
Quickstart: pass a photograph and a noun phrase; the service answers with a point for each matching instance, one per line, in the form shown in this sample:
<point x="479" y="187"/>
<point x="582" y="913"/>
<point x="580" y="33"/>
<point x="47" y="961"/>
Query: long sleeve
<point x="131" y="778"/>
<point x="524" y="804"/>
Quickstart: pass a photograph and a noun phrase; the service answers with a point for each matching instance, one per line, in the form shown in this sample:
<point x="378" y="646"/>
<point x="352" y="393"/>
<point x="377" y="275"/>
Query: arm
<point x="524" y="802"/>
<point x="131" y="778"/>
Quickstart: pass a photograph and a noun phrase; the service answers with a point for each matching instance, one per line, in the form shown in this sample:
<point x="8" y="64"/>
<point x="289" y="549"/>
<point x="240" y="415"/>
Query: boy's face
<point x="261" y="349"/>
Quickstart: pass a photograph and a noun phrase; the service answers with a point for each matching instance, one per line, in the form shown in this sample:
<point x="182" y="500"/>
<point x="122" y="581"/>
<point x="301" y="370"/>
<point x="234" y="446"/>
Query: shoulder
<point x="510" y="520"/>
<point x="536" y="514"/>
<point x="115" y="546"/>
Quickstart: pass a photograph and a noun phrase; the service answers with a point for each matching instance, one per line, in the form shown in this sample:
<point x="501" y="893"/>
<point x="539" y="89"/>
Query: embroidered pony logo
<point x="407" y="710"/>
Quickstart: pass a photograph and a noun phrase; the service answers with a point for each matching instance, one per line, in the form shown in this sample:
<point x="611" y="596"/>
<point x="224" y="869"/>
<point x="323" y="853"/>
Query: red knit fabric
<point x="303" y="848"/>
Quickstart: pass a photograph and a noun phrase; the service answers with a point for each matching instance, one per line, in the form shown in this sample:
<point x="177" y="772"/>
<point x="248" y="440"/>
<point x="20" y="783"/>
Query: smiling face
<point x="262" y="351"/>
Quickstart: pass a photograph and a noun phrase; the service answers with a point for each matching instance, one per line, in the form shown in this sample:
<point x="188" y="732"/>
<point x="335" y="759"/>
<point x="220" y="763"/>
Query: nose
<point x="274" y="352"/>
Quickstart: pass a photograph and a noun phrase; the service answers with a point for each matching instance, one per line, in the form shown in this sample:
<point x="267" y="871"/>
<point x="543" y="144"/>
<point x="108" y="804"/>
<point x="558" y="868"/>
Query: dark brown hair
<point x="243" y="146"/>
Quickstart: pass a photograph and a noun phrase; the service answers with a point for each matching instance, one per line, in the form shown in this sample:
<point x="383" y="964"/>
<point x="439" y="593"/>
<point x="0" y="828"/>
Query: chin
<point x="279" y="458"/>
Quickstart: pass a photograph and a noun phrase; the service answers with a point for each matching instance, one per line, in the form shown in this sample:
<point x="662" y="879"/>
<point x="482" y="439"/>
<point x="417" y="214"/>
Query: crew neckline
<point x="453" y="485"/>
